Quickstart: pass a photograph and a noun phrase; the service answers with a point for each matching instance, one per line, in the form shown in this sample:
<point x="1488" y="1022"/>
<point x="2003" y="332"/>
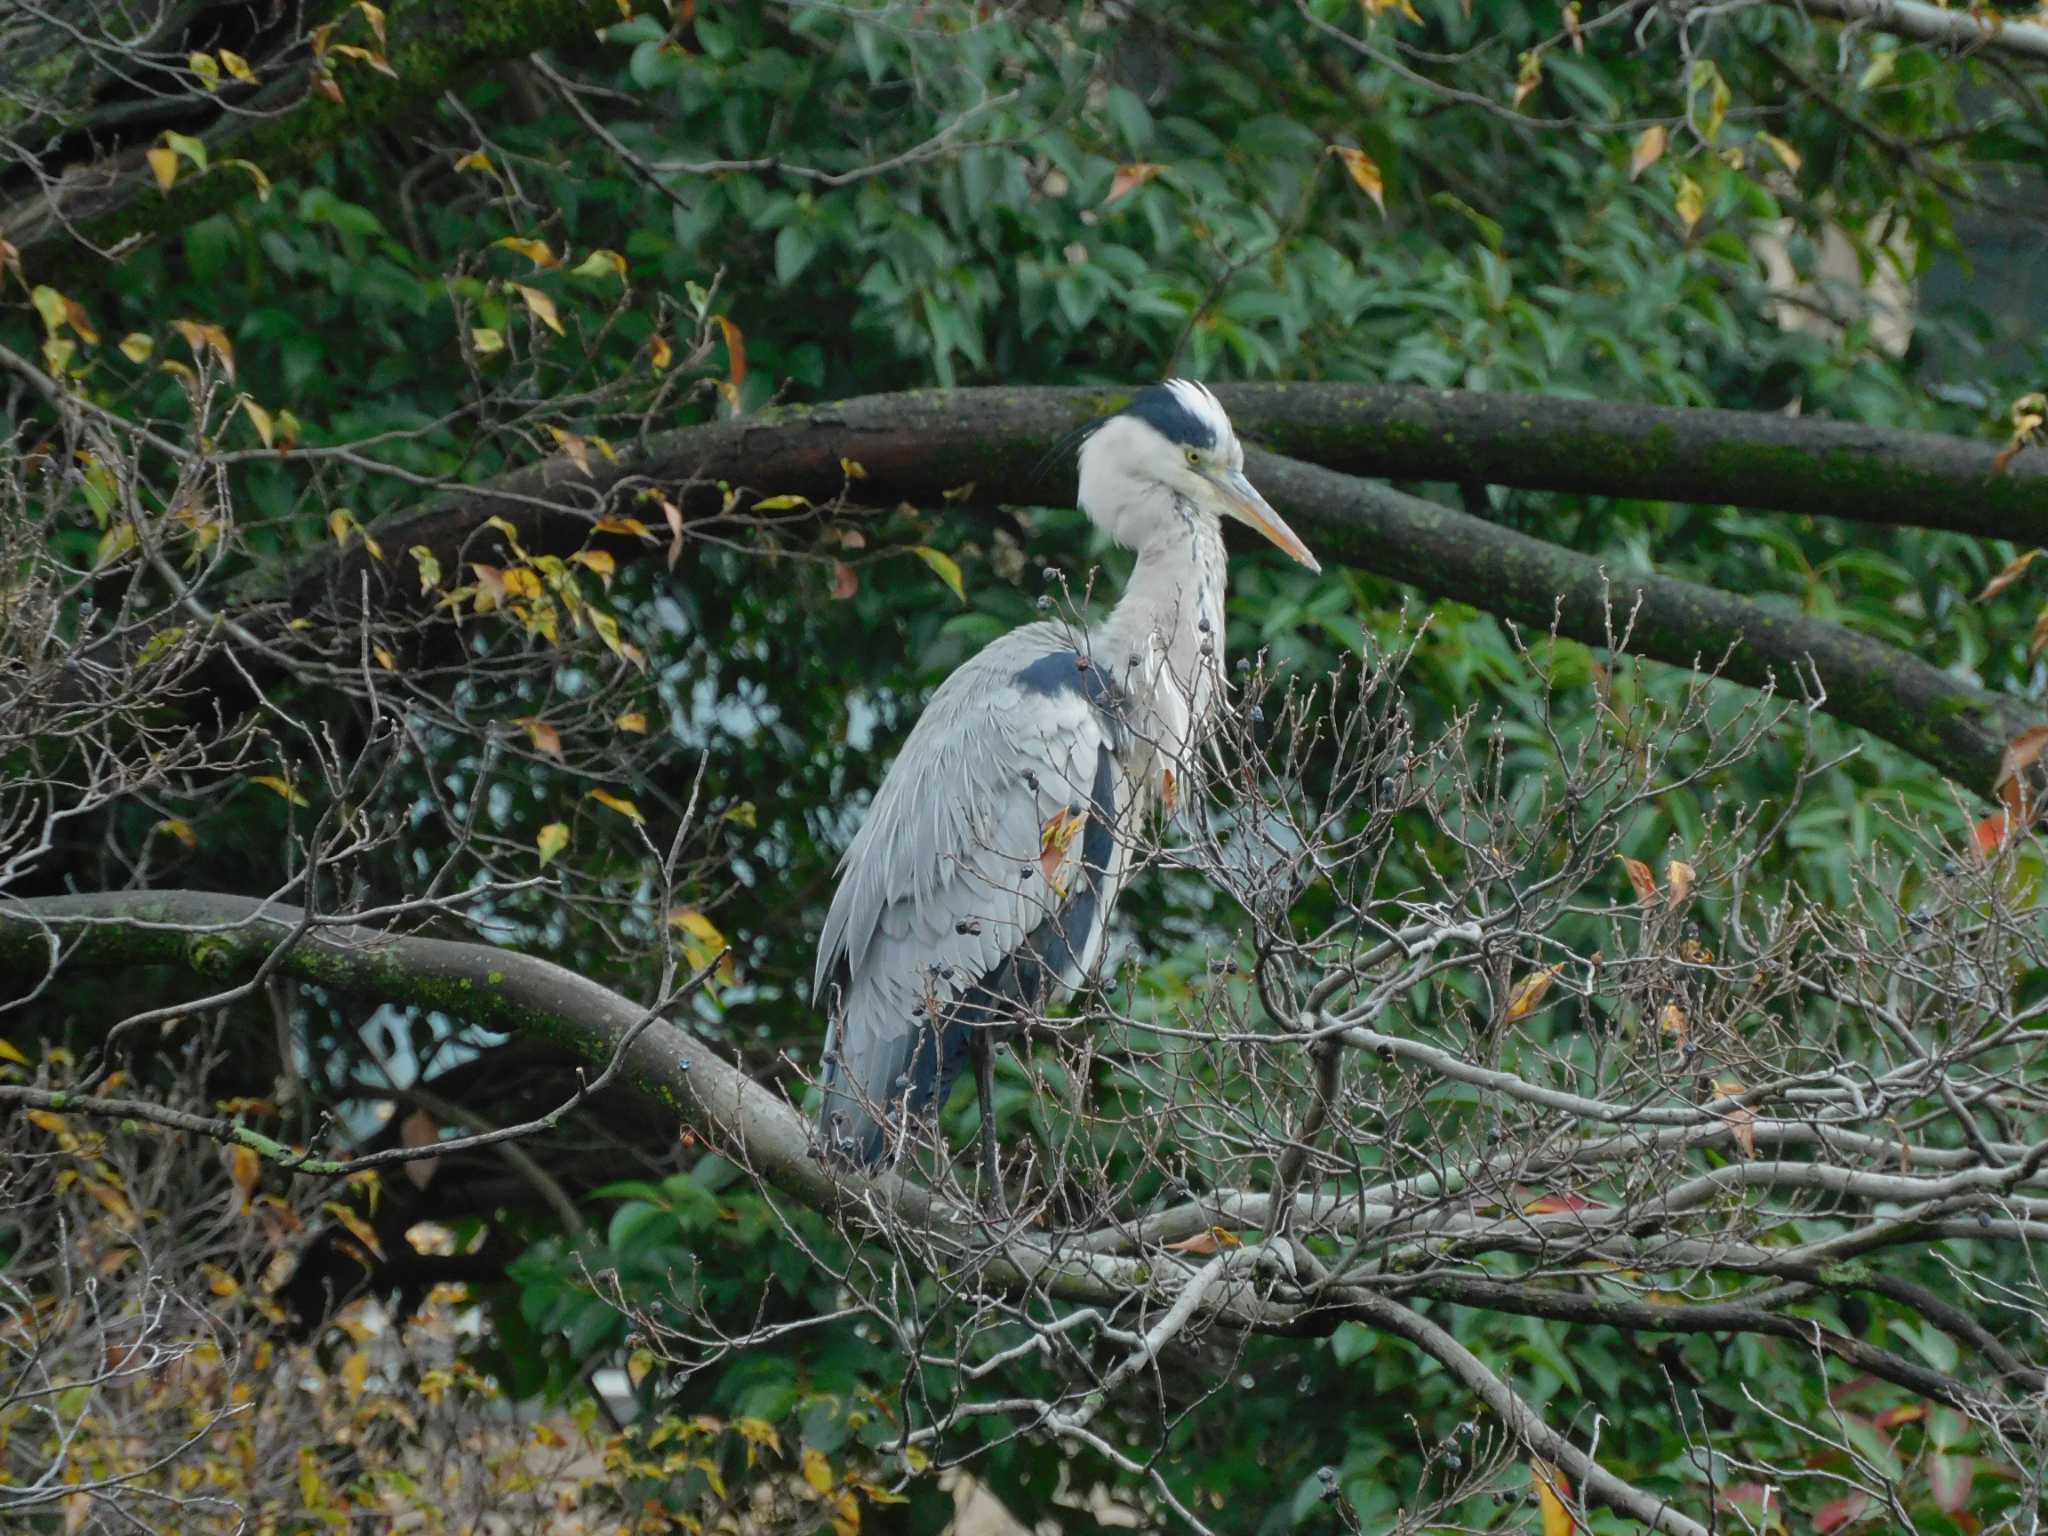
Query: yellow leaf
<point x="817" y="1470"/>
<point x="485" y="340"/>
<point x="598" y="560"/>
<point x="255" y="174"/>
<point x="781" y="503"/>
<point x="612" y="523"/>
<point x="703" y="943"/>
<point x="43" y="1120"/>
<point x="219" y="1281"/>
<point x="1365" y="171"/>
<point x="520" y="581"/>
<point x="207" y="68"/>
<point x="341" y="523"/>
<point x="1691" y="203"/>
<point x="743" y="814"/>
<point x="535" y="251"/>
<point x="202" y="337"/>
<point x="625" y="808"/>
<point x="1880" y="70"/>
<point x="178" y="827"/>
<point x="1550" y="1484"/>
<point x="358" y="1228"/>
<point x="136" y="347"/>
<point x="237" y="66"/>
<point x="1648" y="151"/>
<point x="9" y="1051"/>
<point x="852" y="470"/>
<point x="553" y="838"/>
<point x="1529" y="75"/>
<point x="632" y="720"/>
<point x="660" y="353"/>
<point x="542" y="306"/>
<point x="355" y="1373"/>
<point x="602" y="263"/>
<point x="1680" y="876"/>
<point x="573" y="446"/>
<point x="246" y="1168"/>
<point x="1528" y="992"/>
<point x="374" y="15"/>
<point x="1673" y="1022"/>
<point x="51" y="305"/>
<point x="476" y="160"/>
<point x="944" y="566"/>
<point x="277" y="786"/>
<point x="430" y="568"/>
<point x="260" y="419"/>
<point x="1785" y="152"/>
<point x="163" y="164"/>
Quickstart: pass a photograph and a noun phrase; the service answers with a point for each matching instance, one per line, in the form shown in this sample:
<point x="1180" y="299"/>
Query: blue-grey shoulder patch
<point x="1059" y="672"/>
<point x="1163" y="410"/>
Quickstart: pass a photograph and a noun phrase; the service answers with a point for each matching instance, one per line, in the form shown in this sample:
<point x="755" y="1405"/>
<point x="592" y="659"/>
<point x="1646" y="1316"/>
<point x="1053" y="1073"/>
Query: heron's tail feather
<point x="873" y="1092"/>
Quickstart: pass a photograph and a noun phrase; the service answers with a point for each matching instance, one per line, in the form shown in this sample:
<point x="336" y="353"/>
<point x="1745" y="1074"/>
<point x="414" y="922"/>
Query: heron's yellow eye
<point x="1194" y="456"/>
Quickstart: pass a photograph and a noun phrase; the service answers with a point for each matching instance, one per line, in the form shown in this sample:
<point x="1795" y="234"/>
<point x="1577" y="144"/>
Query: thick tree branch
<point x="986" y="447"/>
<point x="284" y="126"/>
<point x="1966" y="30"/>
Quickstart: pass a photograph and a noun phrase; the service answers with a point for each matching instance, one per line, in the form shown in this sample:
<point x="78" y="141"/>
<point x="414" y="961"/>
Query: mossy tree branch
<point x="983" y="447"/>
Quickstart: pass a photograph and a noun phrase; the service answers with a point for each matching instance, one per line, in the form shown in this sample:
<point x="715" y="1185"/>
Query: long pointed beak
<point x="1242" y="500"/>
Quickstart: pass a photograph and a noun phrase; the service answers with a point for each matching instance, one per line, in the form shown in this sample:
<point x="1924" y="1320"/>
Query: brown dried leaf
<point x="735" y="351"/>
<point x="2038" y="640"/>
<point x="1129" y="178"/>
<point x="1740" y="1117"/>
<point x="845" y="580"/>
<point x="2021" y="754"/>
<point x="2014" y="570"/>
<point x="1674" y="1022"/>
<point x="1203" y="1244"/>
<point x="1640" y="877"/>
<point x="420" y="1129"/>
<point x="544" y="737"/>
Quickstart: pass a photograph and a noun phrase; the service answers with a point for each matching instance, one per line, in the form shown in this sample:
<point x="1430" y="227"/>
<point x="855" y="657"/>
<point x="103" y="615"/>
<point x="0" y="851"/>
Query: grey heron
<point x="982" y="880"/>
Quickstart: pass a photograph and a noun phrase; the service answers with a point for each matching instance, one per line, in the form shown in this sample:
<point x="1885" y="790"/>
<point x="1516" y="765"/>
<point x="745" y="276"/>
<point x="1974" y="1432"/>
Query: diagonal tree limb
<point x="1522" y="1421"/>
<point x="984" y="447"/>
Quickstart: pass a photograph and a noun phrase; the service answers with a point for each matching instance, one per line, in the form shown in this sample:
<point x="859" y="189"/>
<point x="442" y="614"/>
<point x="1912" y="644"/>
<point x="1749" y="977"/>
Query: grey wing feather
<point x="943" y="884"/>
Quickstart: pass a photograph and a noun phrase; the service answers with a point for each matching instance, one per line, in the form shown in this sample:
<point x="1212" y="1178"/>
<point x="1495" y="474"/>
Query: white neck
<point x="1171" y="611"/>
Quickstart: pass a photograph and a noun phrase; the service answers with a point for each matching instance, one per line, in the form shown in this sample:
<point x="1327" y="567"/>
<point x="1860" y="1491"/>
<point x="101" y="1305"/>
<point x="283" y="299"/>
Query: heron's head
<point x="1171" y="444"/>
